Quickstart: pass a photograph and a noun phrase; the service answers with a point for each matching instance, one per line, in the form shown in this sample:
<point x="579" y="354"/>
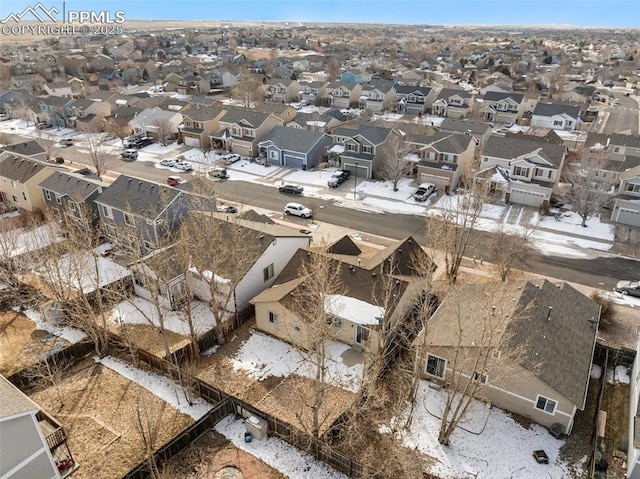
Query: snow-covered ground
<point x="489" y="444"/>
<point x="68" y="333"/>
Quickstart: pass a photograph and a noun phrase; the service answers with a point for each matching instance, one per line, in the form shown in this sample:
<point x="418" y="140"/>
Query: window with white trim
<point x="129" y="220"/>
<point x="545" y="404"/>
<point x="337" y="322"/>
<point x="273" y="318"/>
<point x="268" y="272"/>
<point x="58" y="198"/>
<point x="520" y="171"/>
<point x="47" y="195"/>
<point x="273" y="154"/>
<point x="557" y="122"/>
<point x="107" y="211"/>
<point x="633" y="188"/>
<point x="479" y="377"/>
<point x="435" y="366"/>
<point x="111" y="230"/>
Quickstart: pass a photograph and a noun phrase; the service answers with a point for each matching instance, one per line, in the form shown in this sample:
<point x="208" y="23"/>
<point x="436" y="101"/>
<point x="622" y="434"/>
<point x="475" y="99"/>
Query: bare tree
<point x="47" y="143"/>
<point x="21" y="106"/>
<point x="511" y="249"/>
<point x="147" y="420"/>
<point x="316" y="302"/>
<point x="99" y="156"/>
<point x="592" y="186"/>
<point x="119" y="129"/>
<point x="394" y="160"/>
<point x="450" y="232"/>
<point x="248" y="90"/>
<point x="332" y="68"/>
<point x="48" y="371"/>
<point x="164" y="129"/>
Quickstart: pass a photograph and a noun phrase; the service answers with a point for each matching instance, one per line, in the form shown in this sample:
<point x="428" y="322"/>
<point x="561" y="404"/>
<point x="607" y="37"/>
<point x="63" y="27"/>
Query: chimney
<point x="549" y="313"/>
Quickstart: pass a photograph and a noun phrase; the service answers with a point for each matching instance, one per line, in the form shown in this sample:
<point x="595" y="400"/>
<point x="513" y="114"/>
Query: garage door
<point x="190" y="141"/>
<point x="523" y="197"/>
<point x="440" y="181"/>
<point x="293" y="161"/>
<point x="628" y="217"/>
<point x="363" y="172"/>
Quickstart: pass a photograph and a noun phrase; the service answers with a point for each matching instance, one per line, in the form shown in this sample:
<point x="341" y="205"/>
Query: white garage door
<point x="628" y="217"/>
<point x="440" y="181"/>
<point x="523" y="197"/>
<point x="189" y="141"/>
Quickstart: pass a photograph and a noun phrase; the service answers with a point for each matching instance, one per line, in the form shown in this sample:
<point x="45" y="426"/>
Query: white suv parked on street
<point x="296" y="209"/>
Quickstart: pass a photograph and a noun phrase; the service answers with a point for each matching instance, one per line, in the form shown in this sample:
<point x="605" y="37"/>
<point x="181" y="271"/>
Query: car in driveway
<point x="144" y="142"/>
<point x="338" y="178"/>
<point x="184" y="166"/>
<point x="64" y="142"/>
<point x="424" y="191"/>
<point x="129" y="155"/>
<point x="631" y="288"/>
<point x="175" y="180"/>
<point x="222" y="208"/>
<point x="293" y="189"/>
<point x="170" y="162"/>
<point x="296" y="209"/>
<point x="4" y="117"/>
<point x="231" y="158"/>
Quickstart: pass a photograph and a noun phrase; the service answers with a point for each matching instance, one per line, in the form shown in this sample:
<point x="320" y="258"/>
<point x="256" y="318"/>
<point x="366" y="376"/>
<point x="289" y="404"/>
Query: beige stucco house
<point x="20" y="179"/>
<point x="535" y="363"/>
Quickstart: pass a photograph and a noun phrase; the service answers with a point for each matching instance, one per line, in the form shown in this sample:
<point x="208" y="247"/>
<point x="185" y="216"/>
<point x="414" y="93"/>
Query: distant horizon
<point x="599" y="14"/>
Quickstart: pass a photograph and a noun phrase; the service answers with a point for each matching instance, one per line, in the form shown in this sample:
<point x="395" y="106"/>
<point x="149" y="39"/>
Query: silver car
<point x="631" y="288"/>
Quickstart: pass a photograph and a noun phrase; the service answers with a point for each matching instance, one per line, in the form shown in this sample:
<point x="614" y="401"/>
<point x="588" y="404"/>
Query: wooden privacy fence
<point x="226" y="404"/>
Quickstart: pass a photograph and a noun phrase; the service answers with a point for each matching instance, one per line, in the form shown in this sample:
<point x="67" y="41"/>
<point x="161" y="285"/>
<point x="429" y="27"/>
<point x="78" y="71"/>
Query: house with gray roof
<point x="529" y="167"/>
<point x="198" y="124"/>
<point x="478" y="130"/>
<point x="139" y="214"/>
<point x="341" y="94"/>
<point x="453" y="103"/>
<point x="70" y="195"/>
<point x="309" y="91"/>
<point x="284" y="146"/>
<point x="147" y="122"/>
<point x="25" y="149"/>
<point x="326" y="122"/>
<point x="361" y="151"/>
<point x="626" y="208"/>
<point x="56" y="110"/>
<point x="20" y="179"/>
<point x="556" y="116"/>
<point x="500" y="107"/>
<point x="376" y="97"/>
<point x="535" y="362"/>
<point x="413" y="100"/>
<point x="282" y="91"/>
<point x="242" y="129"/>
<point x="442" y="158"/>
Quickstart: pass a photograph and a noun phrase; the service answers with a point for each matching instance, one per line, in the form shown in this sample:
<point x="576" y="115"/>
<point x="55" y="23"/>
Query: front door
<point x="362" y="335"/>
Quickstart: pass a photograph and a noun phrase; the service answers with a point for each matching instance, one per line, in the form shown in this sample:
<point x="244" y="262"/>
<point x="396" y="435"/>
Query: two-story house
<point x="140" y="214"/>
<point x="529" y="168"/>
<point x="71" y="196"/>
<point x="341" y="95"/>
<point x="26" y="149"/>
<point x="361" y="150"/>
<point x="241" y="130"/>
<point x="626" y="209"/>
<point x="193" y="84"/>
<point x="444" y="158"/>
<point x="56" y="110"/>
<point x="284" y="146"/>
<point x="282" y="91"/>
<point x="377" y="97"/>
<point x="309" y="91"/>
<point x="478" y="130"/>
<point x="20" y="179"/>
<point x="198" y="124"/>
<point x="355" y="75"/>
<point x="414" y="100"/>
<point x="556" y="116"/>
<point x="149" y="121"/>
<point x="501" y="107"/>
<point x="453" y="103"/>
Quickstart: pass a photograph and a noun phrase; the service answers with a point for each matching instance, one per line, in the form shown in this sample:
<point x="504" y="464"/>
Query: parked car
<point x="129" y="155"/>
<point x="296" y="209"/>
<point x="222" y="208"/>
<point x="132" y="141"/>
<point x="338" y="178"/>
<point x="184" y="165"/>
<point x="424" y="191"/>
<point x="175" y="180"/>
<point x="43" y="126"/>
<point x="170" y="162"/>
<point x="4" y="117"/>
<point x="64" y="142"/>
<point x="232" y="158"/>
<point x="628" y="287"/>
<point x="144" y="142"/>
<point x="293" y="189"/>
<point x="218" y="173"/>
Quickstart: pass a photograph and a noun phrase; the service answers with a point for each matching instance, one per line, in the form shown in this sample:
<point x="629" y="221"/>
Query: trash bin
<point x="256" y="426"/>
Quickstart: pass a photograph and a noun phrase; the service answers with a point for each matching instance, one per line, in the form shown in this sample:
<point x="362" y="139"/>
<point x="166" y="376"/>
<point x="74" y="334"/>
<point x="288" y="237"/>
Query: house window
<point x="479" y="377"/>
<point x="557" y="122"/>
<point x="108" y="212"/>
<point x="268" y="272"/>
<point x="58" y="199"/>
<point x="367" y="149"/>
<point x="545" y="404"/>
<point x="273" y="318"/>
<point x="273" y="155"/>
<point x="128" y="220"/>
<point x="542" y="173"/>
<point x="337" y="322"/>
<point x="351" y="147"/>
<point x="520" y="171"/>
<point x="633" y="188"/>
<point x="148" y="244"/>
<point x="47" y="195"/>
<point x="72" y="205"/>
<point x="435" y="366"/>
<point x="616" y="149"/>
<point x="15" y="198"/>
<point x="24" y="196"/>
<point x="495" y="354"/>
<point x="111" y="231"/>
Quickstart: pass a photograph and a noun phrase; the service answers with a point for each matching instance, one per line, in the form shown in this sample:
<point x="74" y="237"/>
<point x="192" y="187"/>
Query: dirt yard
<point x="21" y="344"/>
<point x="281" y="397"/>
<point x="100" y="411"/>
<point x="148" y="337"/>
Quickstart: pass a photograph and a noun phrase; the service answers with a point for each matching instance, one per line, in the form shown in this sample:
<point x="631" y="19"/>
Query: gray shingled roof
<point x="137" y="196"/>
<point x="617" y="139"/>
<point x="19" y="169"/>
<point x="556" y="344"/>
<point x="70" y="185"/>
<point x="550" y="109"/>
<point x="26" y="148"/>
<point x="510" y="148"/>
<point x="446" y="93"/>
<point x="408" y="89"/>
<point x="498" y="95"/>
<point x="13" y="401"/>
<point x="293" y="139"/>
<point x="236" y="115"/>
<point x="375" y="134"/>
<point x="472" y="126"/>
<point x="202" y="114"/>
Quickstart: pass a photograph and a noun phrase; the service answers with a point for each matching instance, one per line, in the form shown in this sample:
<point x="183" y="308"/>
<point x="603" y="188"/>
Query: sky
<point x="598" y="13"/>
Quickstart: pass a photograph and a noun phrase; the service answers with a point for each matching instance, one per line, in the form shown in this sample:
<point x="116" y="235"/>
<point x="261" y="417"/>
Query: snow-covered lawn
<point x="623" y="299"/>
<point x="137" y="310"/>
<point x="68" y="333"/>
<point x="262" y="356"/>
<point x="569" y="222"/>
<point x="490" y="444"/>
